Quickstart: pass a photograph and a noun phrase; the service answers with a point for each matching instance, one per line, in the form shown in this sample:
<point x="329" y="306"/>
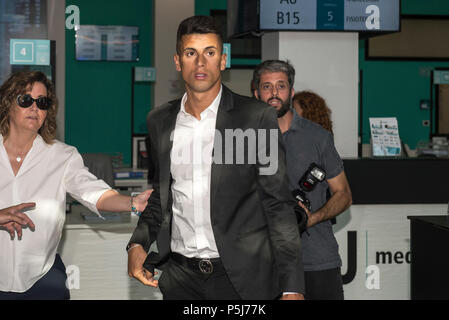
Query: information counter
<point x="429" y="237"/>
<point x="398" y="180"/>
<point x="374" y="233"/>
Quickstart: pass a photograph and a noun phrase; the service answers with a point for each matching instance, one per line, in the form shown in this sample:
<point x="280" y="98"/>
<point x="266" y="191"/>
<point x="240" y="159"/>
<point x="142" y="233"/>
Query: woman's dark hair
<point x="314" y="108"/>
<point x="19" y="83"/>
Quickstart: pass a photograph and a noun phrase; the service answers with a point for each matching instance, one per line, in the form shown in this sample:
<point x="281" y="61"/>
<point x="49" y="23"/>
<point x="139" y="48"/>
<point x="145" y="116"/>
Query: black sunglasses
<point x="26" y="101"/>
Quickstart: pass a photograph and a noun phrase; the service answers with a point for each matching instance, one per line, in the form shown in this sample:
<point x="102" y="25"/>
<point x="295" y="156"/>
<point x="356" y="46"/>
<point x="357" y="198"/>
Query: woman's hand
<point x="13" y="220"/>
<point x="140" y="201"/>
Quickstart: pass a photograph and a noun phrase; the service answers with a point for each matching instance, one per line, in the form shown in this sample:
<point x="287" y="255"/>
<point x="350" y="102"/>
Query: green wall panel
<point x="425" y="7"/>
<point x="203" y="7"/>
<point x="394" y="88"/>
<point x="98" y="94"/>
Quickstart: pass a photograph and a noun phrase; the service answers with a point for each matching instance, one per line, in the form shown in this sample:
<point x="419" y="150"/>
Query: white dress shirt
<point x="191" y="163"/>
<point x="48" y="171"/>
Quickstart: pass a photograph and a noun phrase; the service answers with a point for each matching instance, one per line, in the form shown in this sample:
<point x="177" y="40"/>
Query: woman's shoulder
<point x="62" y="148"/>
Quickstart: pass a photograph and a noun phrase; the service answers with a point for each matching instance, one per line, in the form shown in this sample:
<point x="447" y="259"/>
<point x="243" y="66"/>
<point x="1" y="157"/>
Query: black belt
<point x="203" y="265"/>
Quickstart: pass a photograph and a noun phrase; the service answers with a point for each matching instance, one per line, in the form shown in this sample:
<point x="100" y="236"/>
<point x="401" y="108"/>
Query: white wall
<point x="326" y="63"/>
<point x="168" y="15"/>
<point x="238" y="80"/>
<point x="56" y="31"/>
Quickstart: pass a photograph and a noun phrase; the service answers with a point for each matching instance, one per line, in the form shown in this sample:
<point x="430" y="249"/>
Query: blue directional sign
<point x="227" y="51"/>
<point x="330" y="14"/>
<point x="29" y="52"/>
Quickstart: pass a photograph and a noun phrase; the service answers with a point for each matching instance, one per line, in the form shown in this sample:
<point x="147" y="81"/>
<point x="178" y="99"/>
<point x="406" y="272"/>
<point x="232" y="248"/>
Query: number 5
<point x="330" y="16"/>
<point x="296" y="18"/>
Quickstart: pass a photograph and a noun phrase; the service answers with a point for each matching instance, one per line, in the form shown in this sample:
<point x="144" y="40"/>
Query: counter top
<point x="439" y="221"/>
<point x="398" y="180"/>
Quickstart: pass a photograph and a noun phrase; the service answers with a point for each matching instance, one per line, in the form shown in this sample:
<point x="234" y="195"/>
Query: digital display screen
<point x="107" y="43"/>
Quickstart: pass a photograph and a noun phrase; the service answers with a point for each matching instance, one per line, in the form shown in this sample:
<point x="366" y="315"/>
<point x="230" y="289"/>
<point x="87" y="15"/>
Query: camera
<point x="313" y="176"/>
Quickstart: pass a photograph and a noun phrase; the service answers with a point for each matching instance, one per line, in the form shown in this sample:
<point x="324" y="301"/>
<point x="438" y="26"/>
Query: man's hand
<point x="311" y="218"/>
<point x="136" y="258"/>
<point x="294" y="296"/>
<point x="13" y="220"/>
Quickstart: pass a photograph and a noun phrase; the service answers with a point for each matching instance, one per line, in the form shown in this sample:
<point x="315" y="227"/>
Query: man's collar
<point x="212" y="107"/>
<point x="296" y="121"/>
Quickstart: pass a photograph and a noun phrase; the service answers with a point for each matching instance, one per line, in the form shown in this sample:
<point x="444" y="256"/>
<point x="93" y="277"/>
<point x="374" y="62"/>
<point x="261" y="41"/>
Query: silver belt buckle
<point x="206" y="266"/>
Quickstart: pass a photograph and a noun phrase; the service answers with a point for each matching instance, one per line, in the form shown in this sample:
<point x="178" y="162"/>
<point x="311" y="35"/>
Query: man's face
<point x="274" y="89"/>
<point x="200" y="61"/>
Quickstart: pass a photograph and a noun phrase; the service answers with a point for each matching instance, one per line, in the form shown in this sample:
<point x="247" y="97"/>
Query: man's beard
<point x="285" y="106"/>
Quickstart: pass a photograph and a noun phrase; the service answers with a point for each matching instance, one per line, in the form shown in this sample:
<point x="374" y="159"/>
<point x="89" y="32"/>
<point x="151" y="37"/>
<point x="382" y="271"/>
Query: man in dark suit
<point x="221" y="211"/>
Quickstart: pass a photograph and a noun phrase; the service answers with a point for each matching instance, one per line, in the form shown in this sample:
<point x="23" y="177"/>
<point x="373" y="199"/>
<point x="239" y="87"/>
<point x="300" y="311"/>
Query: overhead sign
<point x="337" y="15"/>
<point x="29" y="52"/>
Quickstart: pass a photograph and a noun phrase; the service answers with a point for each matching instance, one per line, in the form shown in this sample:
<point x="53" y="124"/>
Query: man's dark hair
<point x="197" y="24"/>
<point x="273" y="66"/>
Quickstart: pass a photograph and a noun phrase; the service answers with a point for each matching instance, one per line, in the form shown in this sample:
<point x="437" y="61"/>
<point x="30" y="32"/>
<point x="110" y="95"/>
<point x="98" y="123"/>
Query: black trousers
<point x="50" y="287"/>
<point x="324" y="285"/>
<point x="186" y="282"/>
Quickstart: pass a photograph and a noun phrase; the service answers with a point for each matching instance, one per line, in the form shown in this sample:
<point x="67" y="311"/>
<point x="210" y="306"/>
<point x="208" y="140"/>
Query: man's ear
<point x="224" y="58"/>
<point x="293" y="93"/>
<point x="256" y="94"/>
<point x="177" y="63"/>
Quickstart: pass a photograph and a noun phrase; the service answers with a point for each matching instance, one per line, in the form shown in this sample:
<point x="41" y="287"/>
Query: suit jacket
<point x="252" y="215"/>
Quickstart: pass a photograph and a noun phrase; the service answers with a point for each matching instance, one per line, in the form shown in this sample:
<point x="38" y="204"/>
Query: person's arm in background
<point x="340" y="200"/>
<point x="95" y="194"/>
<point x="111" y="200"/>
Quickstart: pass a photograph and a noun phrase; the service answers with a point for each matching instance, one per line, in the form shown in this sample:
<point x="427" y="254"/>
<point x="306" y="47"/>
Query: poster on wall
<point x="385" y="136"/>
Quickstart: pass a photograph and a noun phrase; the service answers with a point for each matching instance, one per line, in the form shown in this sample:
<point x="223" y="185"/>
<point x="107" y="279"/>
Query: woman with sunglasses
<point x="36" y="172"/>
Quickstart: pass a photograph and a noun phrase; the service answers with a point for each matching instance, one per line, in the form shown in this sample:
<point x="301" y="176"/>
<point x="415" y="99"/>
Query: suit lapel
<point x="224" y="121"/>
<point x="167" y="127"/>
<point x="165" y="146"/>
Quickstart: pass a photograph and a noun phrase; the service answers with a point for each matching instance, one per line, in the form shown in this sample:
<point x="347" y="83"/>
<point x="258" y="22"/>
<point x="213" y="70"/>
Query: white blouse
<point x="47" y="173"/>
